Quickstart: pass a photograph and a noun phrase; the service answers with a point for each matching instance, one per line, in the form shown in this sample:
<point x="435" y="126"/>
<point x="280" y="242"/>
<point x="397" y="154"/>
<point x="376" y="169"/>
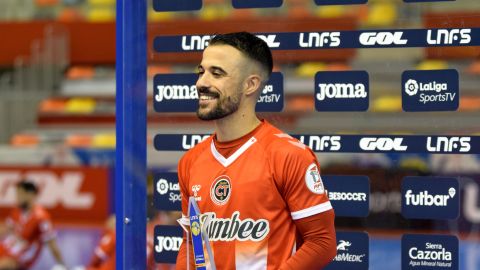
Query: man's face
<point x="24" y="198"/>
<point x="220" y="82"/>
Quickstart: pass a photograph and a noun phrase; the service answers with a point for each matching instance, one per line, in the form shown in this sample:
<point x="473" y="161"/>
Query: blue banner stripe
<point x="351" y="143"/>
<point x="391" y="38"/>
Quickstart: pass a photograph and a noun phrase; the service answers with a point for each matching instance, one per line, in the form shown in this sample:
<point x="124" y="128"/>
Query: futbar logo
<point x="430" y="90"/>
<point x="341" y="91"/>
<point x="430" y="197"/>
<point x="422" y="251"/>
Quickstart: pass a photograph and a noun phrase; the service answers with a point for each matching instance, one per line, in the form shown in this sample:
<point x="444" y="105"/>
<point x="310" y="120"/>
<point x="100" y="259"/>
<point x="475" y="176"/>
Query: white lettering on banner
<point x="270" y="40"/>
<point x="425" y="199"/>
<point x="320" y="143"/>
<point x="319" y="40"/>
<point x="382" y="144"/>
<point x="268" y="96"/>
<point x="168" y="243"/>
<point x="189" y="141"/>
<point x="347" y="196"/>
<point x="448" y="36"/>
<point x="176" y="92"/>
<point x="382" y="38"/>
<point x="54" y="190"/>
<point x="445" y="144"/>
<point x="471" y="209"/>
<point x="190" y="43"/>
<point x="341" y="90"/>
<point x="433" y="255"/>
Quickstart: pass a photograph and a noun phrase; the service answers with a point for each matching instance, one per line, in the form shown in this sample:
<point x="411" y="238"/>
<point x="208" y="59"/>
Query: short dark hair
<point x="27" y="186"/>
<point x="252" y="46"/>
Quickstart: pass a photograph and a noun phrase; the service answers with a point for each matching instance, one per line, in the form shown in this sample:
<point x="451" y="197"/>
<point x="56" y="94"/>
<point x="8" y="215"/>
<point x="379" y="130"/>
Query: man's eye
<point x="217" y="74"/>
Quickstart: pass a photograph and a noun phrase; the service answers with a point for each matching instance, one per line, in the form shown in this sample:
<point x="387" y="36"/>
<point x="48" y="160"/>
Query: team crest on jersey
<point x="221" y="190"/>
<point x="313" y="179"/>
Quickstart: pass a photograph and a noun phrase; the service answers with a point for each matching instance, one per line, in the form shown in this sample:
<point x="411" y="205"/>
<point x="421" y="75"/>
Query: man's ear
<point x="252" y="84"/>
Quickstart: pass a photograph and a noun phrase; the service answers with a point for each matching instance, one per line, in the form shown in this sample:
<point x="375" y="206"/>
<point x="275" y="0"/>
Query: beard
<point x="225" y="106"/>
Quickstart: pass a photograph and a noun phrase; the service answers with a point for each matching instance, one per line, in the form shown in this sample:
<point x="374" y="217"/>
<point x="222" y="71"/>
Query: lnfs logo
<point x="442" y="144"/>
<point x="319" y="39"/>
<point x="322" y="143"/>
<point x="449" y="36"/>
<point x="196" y="42"/>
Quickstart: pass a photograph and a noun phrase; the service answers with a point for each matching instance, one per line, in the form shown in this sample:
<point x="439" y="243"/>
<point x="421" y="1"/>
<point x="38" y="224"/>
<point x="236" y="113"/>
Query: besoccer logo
<point x="411" y="87"/>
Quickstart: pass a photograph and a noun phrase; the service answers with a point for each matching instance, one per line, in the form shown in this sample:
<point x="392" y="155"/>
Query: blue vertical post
<point x="131" y="101"/>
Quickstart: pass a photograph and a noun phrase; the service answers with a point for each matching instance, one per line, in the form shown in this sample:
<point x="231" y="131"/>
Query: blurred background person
<point x="26" y="230"/>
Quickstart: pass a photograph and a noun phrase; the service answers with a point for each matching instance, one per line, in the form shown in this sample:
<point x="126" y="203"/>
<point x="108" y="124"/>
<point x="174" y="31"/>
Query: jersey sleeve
<point x="297" y="173"/>
<point x="45" y="227"/>
<point x="183" y="183"/>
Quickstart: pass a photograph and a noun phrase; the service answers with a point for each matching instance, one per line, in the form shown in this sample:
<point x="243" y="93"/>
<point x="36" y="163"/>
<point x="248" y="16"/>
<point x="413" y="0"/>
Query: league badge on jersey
<point x="221" y="190"/>
<point x="313" y="179"/>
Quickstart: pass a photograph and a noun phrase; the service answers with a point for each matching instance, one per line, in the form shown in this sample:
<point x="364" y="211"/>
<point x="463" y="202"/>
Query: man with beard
<point x="260" y="187"/>
<point x="26" y="230"/>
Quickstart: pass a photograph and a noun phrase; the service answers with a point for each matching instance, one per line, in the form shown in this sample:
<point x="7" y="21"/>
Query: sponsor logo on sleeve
<point x="348" y="194"/>
<point x="167" y="242"/>
<point x="430" y="197"/>
<point x="167" y="192"/>
<point x="352" y="251"/>
<point x="341" y="91"/>
<point x="421" y="251"/>
<point x="430" y="90"/>
<point x="313" y="179"/>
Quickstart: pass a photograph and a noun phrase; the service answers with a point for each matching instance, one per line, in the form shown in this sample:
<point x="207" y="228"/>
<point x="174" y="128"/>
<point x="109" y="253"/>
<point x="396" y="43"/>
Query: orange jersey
<point x="29" y="231"/>
<point x="253" y="196"/>
<point x="104" y="254"/>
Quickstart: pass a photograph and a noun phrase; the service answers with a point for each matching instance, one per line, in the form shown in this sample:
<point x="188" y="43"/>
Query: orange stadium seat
<point x="79" y="140"/>
<point x="22" y="140"/>
<point x="46" y="3"/>
<point x="80" y="72"/>
<point x="52" y="105"/>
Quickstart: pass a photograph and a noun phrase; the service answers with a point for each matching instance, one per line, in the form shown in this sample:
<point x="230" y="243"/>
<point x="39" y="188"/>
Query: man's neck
<point x="235" y="126"/>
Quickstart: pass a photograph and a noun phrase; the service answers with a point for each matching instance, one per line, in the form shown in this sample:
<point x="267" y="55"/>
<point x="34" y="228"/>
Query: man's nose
<point x="203" y="81"/>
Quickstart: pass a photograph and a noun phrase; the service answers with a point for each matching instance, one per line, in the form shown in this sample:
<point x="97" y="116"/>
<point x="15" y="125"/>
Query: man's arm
<point x="182" y="255"/>
<point x="52" y="245"/>
<point x="319" y="242"/>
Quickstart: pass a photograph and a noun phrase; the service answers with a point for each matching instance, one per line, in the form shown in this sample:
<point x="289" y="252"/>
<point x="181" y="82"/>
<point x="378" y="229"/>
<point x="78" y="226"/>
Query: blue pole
<point x="131" y="101"/>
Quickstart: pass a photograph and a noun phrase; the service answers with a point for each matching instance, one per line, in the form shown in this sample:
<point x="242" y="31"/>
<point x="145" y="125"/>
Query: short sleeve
<point x="183" y="183"/>
<point x="297" y="173"/>
<point x="46" y="229"/>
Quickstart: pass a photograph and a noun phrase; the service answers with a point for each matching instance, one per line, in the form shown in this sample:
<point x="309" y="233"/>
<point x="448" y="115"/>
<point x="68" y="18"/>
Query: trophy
<point x="199" y="237"/>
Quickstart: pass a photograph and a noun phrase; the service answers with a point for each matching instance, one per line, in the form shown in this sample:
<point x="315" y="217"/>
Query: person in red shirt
<point x="104" y="254"/>
<point x="27" y="229"/>
<point x="260" y="187"/>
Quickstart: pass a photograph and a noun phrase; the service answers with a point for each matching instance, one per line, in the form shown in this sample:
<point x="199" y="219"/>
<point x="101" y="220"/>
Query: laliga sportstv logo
<point x="267" y="95"/>
<point x="412" y="87"/>
<point x="164" y="187"/>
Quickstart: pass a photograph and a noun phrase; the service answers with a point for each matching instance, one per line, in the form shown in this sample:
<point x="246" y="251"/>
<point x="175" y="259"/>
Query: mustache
<point x="207" y="91"/>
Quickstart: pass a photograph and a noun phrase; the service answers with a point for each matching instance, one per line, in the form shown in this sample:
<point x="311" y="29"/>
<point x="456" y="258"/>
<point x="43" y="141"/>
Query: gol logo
<point x="221" y="190"/>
